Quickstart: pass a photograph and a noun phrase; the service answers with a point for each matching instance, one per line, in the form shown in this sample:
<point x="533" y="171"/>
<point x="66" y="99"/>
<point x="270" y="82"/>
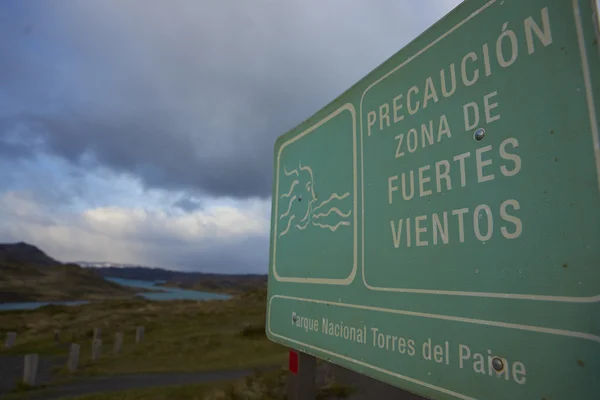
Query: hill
<point x="208" y="282"/>
<point x="25" y="253"/>
<point x="28" y="274"/>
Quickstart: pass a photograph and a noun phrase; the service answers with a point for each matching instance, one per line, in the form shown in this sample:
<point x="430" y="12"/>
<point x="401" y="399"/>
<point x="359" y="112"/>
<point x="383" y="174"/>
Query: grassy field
<point x="180" y="335"/>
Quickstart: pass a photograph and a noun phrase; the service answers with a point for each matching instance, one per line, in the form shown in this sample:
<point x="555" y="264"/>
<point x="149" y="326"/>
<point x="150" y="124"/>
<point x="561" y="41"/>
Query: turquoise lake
<point x="169" y="293"/>
<point x="166" y="294"/>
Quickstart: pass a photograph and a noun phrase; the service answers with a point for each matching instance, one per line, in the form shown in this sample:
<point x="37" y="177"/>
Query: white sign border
<point x="328" y="281"/>
<point x="530" y="328"/>
<point x="595" y="141"/>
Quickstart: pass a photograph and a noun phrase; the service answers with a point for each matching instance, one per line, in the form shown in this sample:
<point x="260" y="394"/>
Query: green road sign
<point x="437" y="226"/>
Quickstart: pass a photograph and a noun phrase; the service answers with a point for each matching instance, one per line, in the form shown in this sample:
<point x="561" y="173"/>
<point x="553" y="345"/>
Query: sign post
<point x="302" y="376"/>
<point x="437" y="226"/>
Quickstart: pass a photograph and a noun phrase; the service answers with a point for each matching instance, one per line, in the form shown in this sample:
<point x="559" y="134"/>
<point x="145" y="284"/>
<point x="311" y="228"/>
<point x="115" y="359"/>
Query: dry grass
<point x="180" y="335"/>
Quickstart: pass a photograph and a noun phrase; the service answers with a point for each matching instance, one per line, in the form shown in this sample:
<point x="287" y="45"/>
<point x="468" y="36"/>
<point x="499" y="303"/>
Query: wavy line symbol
<point x="334" y="196"/>
<point x="285" y="214"/>
<point x="288" y="194"/>
<point x="287" y="228"/>
<point x="333" y="210"/>
<point x="332" y="228"/>
<point x="303" y="203"/>
<point x="292" y="172"/>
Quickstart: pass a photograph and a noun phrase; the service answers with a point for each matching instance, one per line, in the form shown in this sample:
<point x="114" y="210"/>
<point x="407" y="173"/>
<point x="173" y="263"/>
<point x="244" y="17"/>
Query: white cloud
<point x="216" y="238"/>
<point x="213" y="222"/>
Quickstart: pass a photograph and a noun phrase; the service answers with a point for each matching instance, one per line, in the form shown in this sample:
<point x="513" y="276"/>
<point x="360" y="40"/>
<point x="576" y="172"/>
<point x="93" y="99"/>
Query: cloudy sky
<point x="142" y="131"/>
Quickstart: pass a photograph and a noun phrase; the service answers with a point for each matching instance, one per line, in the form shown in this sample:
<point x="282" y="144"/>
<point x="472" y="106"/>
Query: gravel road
<point x="11" y="370"/>
<point x="125" y="382"/>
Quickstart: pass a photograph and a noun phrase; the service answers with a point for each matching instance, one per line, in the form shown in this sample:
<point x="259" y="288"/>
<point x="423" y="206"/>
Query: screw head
<point x="299" y="197"/>
<point x="498" y="364"/>
<point x="479" y="134"/>
<point x="294" y="317"/>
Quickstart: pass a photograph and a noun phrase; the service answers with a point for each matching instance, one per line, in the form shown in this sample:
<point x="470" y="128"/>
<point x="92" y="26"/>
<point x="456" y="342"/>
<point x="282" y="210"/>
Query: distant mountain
<point x="227" y="283"/>
<point x="28" y="274"/>
<point x="25" y="253"/>
<point x="104" y="264"/>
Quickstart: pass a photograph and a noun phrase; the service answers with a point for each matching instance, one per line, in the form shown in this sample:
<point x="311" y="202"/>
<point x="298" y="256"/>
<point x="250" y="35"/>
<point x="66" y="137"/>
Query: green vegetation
<point x="179" y="335"/>
<point x="27" y="274"/>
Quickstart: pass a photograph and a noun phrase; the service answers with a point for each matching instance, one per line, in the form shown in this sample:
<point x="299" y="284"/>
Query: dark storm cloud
<point x="191" y="96"/>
